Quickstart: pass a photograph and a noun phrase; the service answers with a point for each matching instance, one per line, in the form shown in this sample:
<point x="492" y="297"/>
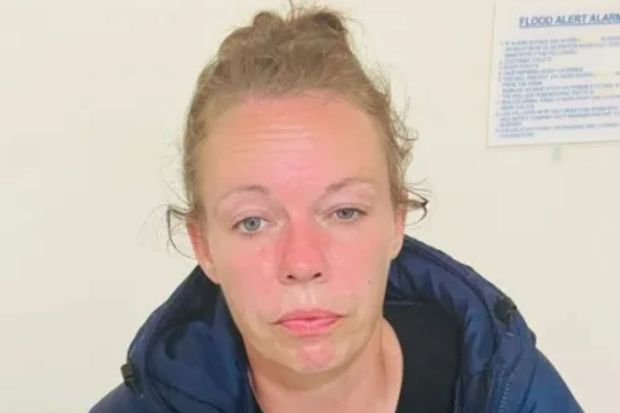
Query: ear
<point x="202" y="252"/>
<point x="400" y="218"/>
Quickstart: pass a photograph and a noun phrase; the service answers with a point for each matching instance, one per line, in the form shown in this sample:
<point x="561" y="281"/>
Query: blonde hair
<point x="308" y="49"/>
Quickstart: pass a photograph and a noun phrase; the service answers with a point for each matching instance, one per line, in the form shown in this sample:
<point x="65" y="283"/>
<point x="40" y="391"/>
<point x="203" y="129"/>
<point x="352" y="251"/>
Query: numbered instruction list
<point x="556" y="74"/>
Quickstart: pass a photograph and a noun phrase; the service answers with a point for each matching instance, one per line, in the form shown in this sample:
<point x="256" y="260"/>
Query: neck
<point x="369" y="383"/>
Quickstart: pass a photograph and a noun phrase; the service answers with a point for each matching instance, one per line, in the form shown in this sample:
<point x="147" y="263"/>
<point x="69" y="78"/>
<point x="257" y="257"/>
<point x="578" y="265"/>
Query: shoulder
<point x="121" y="400"/>
<point x="547" y="391"/>
<point x="500" y="364"/>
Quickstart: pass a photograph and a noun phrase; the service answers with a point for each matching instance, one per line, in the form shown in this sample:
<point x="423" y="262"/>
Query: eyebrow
<point x="331" y="188"/>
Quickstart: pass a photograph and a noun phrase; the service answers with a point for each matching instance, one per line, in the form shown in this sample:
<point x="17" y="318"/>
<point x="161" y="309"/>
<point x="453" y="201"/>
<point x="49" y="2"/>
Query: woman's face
<point x="298" y="217"/>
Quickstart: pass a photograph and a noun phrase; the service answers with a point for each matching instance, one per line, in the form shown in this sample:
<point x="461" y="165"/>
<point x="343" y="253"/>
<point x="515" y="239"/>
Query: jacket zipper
<point x="503" y="402"/>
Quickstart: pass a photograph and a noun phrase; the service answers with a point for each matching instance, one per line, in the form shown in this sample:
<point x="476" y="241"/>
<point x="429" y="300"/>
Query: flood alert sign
<point x="555" y="74"/>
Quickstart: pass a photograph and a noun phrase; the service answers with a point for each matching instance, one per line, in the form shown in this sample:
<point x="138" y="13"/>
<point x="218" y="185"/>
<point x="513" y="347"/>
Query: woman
<point x="296" y="306"/>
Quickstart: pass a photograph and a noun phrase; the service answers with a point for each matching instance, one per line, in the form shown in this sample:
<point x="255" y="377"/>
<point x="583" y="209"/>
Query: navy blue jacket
<point x="188" y="356"/>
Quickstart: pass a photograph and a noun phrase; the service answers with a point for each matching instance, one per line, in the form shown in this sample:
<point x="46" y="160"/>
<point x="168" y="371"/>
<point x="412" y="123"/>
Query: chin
<point x="314" y="358"/>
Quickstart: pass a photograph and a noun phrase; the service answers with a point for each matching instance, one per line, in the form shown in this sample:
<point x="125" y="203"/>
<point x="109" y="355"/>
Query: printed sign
<point x="555" y="73"/>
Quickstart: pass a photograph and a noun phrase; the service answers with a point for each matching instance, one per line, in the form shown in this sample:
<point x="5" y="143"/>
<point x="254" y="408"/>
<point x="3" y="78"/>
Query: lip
<point x="310" y="322"/>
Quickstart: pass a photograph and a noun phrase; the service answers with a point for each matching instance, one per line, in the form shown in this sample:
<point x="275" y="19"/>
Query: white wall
<point x="92" y="99"/>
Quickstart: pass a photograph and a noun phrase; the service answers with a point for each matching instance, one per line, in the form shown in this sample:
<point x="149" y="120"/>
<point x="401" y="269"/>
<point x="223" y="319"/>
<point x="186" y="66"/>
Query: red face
<point x="300" y="230"/>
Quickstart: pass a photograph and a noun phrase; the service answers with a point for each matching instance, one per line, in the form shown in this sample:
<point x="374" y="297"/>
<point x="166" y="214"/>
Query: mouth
<point x="307" y="323"/>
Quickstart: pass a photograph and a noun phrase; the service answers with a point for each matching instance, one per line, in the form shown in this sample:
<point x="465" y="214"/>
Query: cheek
<point x="252" y="304"/>
<point x="360" y="272"/>
<point x="248" y="282"/>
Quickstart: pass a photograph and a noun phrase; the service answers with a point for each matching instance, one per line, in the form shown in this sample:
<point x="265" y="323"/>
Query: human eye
<point x="346" y="214"/>
<point x="248" y="225"/>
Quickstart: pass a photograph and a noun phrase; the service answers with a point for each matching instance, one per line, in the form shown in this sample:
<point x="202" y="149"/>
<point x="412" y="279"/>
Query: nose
<point x="303" y="259"/>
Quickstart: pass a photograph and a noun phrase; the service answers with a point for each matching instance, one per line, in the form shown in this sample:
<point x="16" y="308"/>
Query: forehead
<point x="318" y="113"/>
<point x="314" y="139"/>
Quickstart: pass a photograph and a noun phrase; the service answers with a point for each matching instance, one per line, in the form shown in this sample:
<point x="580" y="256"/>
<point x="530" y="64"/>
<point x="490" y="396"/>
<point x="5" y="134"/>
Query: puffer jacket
<point x="188" y="356"/>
